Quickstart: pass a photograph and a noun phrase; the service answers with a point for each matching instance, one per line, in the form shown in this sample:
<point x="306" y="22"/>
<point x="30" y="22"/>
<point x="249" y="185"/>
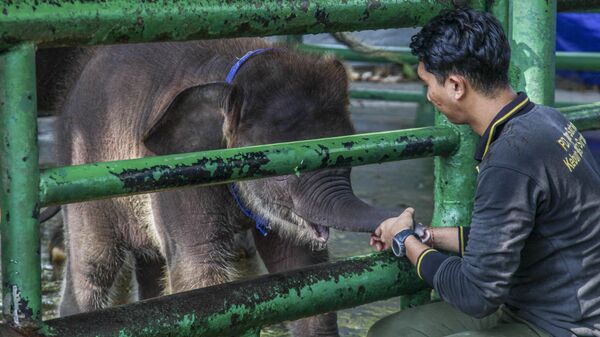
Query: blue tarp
<point x="578" y="32"/>
<point x="581" y="32"/>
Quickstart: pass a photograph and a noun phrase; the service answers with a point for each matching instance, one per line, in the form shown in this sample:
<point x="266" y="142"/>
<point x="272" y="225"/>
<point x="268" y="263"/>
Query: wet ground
<point x="393" y="185"/>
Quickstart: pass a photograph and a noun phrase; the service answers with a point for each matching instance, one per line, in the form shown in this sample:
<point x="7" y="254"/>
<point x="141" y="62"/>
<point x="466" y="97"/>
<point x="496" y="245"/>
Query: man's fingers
<point x="376" y="243"/>
<point x="409" y="212"/>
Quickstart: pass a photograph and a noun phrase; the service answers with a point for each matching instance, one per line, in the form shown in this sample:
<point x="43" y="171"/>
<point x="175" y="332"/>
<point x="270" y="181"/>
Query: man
<point x="530" y="263"/>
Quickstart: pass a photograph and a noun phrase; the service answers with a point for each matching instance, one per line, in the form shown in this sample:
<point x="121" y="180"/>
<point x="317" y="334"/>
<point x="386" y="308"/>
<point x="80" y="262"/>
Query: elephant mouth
<point x="321" y="233"/>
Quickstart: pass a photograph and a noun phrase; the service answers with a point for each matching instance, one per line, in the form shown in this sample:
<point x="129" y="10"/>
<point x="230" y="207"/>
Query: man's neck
<point x="483" y="109"/>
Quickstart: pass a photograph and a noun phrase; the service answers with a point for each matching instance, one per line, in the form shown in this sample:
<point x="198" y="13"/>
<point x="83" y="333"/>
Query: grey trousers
<point x="442" y="320"/>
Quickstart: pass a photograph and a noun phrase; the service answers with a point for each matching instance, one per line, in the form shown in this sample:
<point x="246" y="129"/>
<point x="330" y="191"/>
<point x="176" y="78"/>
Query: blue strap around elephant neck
<point x="241" y="61"/>
<point x="262" y="225"/>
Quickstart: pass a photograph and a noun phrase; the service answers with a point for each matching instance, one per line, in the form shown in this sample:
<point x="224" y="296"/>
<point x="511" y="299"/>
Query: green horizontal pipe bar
<point x="564" y="60"/>
<point x="564" y="104"/>
<point x="72" y="23"/>
<point x="585" y="117"/>
<point x="395" y="54"/>
<point x="388" y="95"/>
<point x="234" y="308"/>
<point x="578" y="5"/>
<point x="578" y="61"/>
<point x="109" y="179"/>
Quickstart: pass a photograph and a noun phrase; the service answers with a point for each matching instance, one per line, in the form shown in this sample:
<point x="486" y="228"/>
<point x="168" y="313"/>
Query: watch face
<point x="398" y="242"/>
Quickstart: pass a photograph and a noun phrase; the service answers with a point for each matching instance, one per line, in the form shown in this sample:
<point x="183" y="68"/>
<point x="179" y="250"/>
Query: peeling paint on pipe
<point x="72" y="23"/>
<point x="234" y="308"/>
<point x="110" y="179"/>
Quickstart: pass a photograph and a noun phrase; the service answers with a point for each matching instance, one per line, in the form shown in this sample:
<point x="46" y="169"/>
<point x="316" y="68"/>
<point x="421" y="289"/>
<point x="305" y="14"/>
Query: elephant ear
<point x="194" y="120"/>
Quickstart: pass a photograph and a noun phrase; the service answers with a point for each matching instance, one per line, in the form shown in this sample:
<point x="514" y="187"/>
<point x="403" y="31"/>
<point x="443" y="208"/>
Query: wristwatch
<point x="398" y="246"/>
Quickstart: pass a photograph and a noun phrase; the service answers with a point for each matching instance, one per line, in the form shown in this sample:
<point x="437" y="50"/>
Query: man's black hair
<point x="468" y="43"/>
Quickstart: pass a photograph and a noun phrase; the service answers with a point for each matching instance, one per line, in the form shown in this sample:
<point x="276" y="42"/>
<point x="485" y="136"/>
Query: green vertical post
<point x="19" y="181"/>
<point x="499" y="8"/>
<point x="425" y="117"/>
<point x="532" y="38"/>
<point x="455" y="177"/>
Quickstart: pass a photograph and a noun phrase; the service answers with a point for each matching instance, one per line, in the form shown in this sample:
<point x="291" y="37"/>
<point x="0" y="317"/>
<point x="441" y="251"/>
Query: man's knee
<point x="503" y="330"/>
<point x="427" y="320"/>
<point x="399" y="324"/>
<point x="432" y="320"/>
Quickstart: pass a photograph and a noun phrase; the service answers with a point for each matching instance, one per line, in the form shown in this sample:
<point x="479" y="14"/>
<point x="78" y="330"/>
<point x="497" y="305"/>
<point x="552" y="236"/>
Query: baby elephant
<point x="137" y="100"/>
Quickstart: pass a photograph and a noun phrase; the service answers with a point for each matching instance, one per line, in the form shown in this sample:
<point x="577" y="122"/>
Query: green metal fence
<point x="586" y="61"/>
<point x="225" y="309"/>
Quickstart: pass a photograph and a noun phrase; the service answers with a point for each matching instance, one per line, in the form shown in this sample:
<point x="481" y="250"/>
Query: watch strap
<point x="398" y="246"/>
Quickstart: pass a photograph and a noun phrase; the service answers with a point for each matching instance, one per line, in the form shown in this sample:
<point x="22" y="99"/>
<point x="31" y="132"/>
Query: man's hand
<point x="385" y="232"/>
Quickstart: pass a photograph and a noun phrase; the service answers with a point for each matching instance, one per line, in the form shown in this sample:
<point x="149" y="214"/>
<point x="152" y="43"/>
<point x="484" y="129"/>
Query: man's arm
<point x="503" y="218"/>
<point x="450" y="239"/>
<point x="506" y="204"/>
<point x="422" y="255"/>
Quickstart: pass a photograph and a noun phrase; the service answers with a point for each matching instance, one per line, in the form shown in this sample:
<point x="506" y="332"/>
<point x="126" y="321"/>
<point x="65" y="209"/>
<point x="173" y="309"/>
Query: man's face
<point x="442" y="96"/>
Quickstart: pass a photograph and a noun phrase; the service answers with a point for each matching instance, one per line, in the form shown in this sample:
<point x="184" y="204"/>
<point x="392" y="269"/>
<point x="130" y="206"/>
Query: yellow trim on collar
<point x="491" y="135"/>
<point x="421" y="259"/>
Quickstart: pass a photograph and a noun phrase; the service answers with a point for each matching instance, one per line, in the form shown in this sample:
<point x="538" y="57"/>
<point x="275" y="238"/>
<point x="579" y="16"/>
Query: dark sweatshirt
<point x="534" y="239"/>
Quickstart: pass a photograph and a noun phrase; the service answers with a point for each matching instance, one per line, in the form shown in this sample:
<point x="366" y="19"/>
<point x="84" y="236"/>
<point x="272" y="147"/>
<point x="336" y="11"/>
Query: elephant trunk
<point x="326" y="198"/>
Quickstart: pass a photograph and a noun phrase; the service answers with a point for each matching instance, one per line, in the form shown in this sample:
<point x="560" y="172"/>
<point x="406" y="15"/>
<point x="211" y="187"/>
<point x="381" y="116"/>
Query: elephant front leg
<point x="279" y="254"/>
<point x="195" y="237"/>
<point x="95" y="257"/>
<point x="193" y="265"/>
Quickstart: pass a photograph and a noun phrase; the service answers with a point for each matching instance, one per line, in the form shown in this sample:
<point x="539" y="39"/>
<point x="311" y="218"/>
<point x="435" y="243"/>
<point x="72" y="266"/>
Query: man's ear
<point x="192" y="122"/>
<point x="456" y="86"/>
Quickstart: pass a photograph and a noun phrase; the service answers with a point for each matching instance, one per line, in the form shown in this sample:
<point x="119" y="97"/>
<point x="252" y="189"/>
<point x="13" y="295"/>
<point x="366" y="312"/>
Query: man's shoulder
<point x="528" y="139"/>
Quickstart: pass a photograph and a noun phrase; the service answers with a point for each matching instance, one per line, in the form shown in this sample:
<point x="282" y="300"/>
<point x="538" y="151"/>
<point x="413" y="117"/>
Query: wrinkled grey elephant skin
<point x="130" y="101"/>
